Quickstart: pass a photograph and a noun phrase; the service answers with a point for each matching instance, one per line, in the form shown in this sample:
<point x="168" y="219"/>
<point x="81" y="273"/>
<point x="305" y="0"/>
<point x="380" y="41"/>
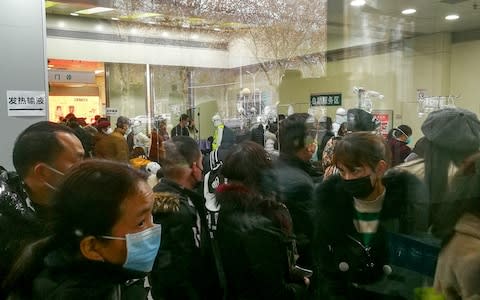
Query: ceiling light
<point x="194" y="36"/>
<point x="133" y="30"/>
<point x="74" y="14"/>
<point x="357" y="3"/>
<point x="95" y="10"/>
<point x="98" y="71"/>
<point x="61" y="24"/>
<point x="99" y="27"/>
<point x="152" y="22"/>
<point x="185" y="25"/>
<point x="115" y="19"/>
<point x="51" y="66"/>
<point x="165" y="34"/>
<point x="452" y="17"/>
<point x="409" y="11"/>
<point x="216" y="29"/>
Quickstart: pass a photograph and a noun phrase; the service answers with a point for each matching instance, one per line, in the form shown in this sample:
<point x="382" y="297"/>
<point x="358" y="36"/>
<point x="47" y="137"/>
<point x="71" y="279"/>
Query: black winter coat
<point x="342" y="260"/>
<point x="67" y="278"/>
<point x="21" y="221"/>
<point x="295" y="185"/>
<point x="184" y="267"/>
<point x="256" y="247"/>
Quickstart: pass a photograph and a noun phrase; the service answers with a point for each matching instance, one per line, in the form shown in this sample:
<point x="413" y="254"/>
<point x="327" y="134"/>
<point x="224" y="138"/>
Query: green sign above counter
<point x="325" y="99"/>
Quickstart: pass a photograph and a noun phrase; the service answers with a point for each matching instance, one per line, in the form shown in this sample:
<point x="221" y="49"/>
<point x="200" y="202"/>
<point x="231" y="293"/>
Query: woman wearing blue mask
<point x="356" y="210"/>
<point x="398" y="139"/>
<point x="103" y="244"/>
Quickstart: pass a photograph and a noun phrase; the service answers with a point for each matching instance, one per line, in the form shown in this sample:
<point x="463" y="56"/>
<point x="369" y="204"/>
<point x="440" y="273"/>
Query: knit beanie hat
<point x="361" y="120"/>
<point x="453" y="129"/>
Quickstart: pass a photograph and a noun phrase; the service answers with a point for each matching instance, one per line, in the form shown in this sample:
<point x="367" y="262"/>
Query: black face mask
<point x="359" y="187"/>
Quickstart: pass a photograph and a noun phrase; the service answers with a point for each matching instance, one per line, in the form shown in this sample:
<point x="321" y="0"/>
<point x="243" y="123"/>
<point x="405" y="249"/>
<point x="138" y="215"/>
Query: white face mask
<point x="55" y="171"/>
<point x="109" y="130"/>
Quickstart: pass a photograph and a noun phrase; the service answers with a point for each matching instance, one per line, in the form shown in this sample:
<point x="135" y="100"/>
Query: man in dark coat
<point x="184" y="268"/>
<point x="41" y="154"/>
<point x="295" y="178"/>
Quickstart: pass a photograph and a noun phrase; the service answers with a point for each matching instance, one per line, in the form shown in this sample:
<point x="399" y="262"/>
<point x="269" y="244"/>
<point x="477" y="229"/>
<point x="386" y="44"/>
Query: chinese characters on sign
<point x="111" y="111"/>
<point x="26" y="103"/>
<point x="325" y="99"/>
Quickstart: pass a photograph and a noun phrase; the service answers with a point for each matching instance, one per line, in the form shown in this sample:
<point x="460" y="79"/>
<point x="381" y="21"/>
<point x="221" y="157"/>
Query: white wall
<point x="464" y="74"/>
<point x="23" y="64"/>
<point x="135" y="53"/>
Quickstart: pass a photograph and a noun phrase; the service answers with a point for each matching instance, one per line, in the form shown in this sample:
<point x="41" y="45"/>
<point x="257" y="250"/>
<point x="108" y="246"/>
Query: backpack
<point x="213" y="179"/>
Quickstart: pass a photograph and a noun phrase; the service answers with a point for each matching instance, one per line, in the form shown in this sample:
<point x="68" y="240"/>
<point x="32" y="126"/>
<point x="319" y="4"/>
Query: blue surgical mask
<point x="142" y="248"/>
<point x="409" y="140"/>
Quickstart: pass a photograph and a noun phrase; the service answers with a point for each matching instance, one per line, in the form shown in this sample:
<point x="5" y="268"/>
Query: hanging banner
<point x="26" y="103"/>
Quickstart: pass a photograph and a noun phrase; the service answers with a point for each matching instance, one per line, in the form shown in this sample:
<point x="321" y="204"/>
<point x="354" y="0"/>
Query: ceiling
<point x="377" y="20"/>
<point x="230" y="15"/>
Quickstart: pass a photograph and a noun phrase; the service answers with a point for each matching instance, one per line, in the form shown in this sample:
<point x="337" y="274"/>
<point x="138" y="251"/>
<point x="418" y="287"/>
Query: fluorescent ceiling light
<point x="51" y="66"/>
<point x="165" y="34"/>
<point x="152" y="22"/>
<point x="194" y="36"/>
<point x="99" y="27"/>
<point x="95" y="10"/>
<point x="115" y="19"/>
<point x="452" y="17"/>
<point x="61" y="24"/>
<point x="357" y="3"/>
<point x="133" y="30"/>
<point x="216" y="29"/>
<point x="98" y="71"/>
<point x="409" y="11"/>
<point x="74" y="14"/>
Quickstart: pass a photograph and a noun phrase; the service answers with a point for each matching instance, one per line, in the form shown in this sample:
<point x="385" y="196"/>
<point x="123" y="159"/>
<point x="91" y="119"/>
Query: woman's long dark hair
<point x="437" y="167"/>
<point x="248" y="168"/>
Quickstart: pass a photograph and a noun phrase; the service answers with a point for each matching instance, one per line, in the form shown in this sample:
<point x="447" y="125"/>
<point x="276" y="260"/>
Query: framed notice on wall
<point x="385" y="117"/>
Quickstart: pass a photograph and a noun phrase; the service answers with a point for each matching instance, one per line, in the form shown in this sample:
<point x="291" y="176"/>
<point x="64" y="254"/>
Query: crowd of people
<point x="342" y="215"/>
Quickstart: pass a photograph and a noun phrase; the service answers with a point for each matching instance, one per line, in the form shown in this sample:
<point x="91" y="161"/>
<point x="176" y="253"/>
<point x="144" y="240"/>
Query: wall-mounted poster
<point x="81" y="106"/>
<point x="385" y="117"/>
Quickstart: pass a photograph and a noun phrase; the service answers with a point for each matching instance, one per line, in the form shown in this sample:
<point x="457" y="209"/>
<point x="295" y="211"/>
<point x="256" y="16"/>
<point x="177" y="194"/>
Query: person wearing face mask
<point x="354" y="214"/>
<point x="42" y="153"/>
<point x="184" y="268"/>
<point x="100" y="253"/>
<point x="398" y="139"/>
